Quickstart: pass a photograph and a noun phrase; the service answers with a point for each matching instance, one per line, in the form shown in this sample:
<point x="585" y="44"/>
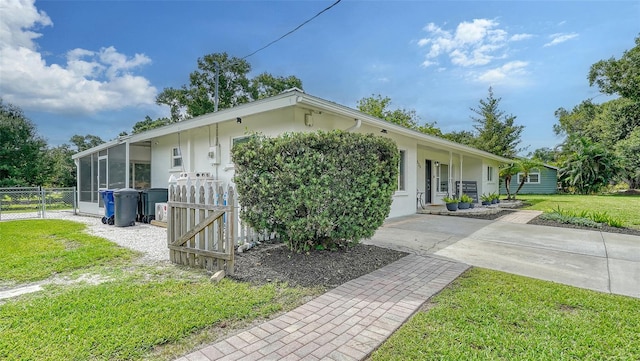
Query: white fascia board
<point x="100" y="147"/>
<point x="259" y="106"/>
<point x="352" y="113"/>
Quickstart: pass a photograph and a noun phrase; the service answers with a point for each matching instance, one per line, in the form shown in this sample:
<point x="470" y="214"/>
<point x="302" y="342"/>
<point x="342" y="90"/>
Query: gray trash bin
<point x="126" y="207"/>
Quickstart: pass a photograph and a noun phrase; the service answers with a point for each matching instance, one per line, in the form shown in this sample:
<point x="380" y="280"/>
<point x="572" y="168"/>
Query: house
<point x="542" y="180"/>
<point x="429" y="166"/>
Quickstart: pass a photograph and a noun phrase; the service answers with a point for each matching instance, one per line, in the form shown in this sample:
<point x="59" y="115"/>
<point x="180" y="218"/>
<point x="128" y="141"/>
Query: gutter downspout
<point x="356" y="126"/>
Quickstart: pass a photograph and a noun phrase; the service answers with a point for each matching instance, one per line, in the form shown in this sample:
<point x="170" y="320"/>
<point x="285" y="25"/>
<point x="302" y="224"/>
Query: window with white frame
<point x="489" y="173"/>
<point x="533" y="177"/>
<point x="402" y="171"/>
<point x="442" y="178"/>
<point x="176" y="158"/>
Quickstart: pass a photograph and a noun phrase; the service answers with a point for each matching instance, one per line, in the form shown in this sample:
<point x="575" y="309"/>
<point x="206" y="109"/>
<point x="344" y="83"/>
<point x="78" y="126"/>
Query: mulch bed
<point x="273" y="262"/>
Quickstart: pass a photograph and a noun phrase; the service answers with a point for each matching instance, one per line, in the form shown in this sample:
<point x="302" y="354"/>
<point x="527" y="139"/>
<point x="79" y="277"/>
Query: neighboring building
<point x="543" y="180"/>
<point x="203" y="144"/>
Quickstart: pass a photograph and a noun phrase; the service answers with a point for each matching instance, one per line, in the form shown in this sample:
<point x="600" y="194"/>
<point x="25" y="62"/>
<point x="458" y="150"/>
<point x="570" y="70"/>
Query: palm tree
<point x="525" y="167"/>
<point x="507" y="172"/>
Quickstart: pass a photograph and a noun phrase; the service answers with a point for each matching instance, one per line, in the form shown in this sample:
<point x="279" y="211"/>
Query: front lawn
<point x="491" y="315"/>
<point x="33" y="250"/>
<point x="623" y="207"/>
<point x="126" y="319"/>
<point x="102" y="306"/>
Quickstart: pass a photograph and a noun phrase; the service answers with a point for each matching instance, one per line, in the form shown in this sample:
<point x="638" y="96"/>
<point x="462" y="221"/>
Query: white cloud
<point x="560" y="38"/>
<point x="89" y="82"/>
<point x="471" y="44"/>
<point x="518" y="37"/>
<point x="503" y="73"/>
<point x="428" y="63"/>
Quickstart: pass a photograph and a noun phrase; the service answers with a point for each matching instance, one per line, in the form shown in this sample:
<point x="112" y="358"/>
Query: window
<point x="534" y="177"/>
<point x="489" y="174"/>
<point x="139" y="175"/>
<point x="176" y="158"/>
<point x="402" y="171"/>
<point x="442" y="178"/>
<point x="238" y="140"/>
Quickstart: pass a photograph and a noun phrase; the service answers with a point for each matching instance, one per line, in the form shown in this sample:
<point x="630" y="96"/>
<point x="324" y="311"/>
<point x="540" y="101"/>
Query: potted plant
<point x="486" y="199"/>
<point x="494" y="198"/>
<point x="465" y="202"/>
<point x="451" y="203"/>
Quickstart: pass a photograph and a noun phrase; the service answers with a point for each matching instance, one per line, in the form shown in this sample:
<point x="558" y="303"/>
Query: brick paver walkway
<point x="520" y="216"/>
<point x="346" y="323"/>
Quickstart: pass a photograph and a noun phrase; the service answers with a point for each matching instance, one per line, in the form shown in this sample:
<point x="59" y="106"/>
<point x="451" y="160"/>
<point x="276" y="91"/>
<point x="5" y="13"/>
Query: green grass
<point x="622" y="207"/>
<point x="36" y="249"/>
<point x="136" y="311"/>
<point x="124" y="319"/>
<point x="490" y="315"/>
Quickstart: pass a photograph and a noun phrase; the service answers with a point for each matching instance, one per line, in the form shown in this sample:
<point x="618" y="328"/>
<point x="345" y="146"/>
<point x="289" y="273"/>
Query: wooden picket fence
<point x="203" y="227"/>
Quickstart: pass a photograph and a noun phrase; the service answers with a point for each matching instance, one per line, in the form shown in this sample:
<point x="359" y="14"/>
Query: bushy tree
<point x="497" y="132"/>
<point x="628" y="152"/>
<point x="234" y="87"/>
<point x="62" y="168"/>
<point x="588" y="166"/>
<point x="148" y="124"/>
<point x="619" y="76"/>
<point x="316" y="190"/>
<point x="22" y="150"/>
<point x="378" y="106"/>
<point x="84" y="142"/>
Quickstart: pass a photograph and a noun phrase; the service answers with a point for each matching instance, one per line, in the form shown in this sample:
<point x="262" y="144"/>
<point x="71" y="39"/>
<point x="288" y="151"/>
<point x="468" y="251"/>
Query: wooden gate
<point x="200" y="227"/>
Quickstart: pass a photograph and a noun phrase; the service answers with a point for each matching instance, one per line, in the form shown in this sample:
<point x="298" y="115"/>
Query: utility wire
<point x="294" y="30"/>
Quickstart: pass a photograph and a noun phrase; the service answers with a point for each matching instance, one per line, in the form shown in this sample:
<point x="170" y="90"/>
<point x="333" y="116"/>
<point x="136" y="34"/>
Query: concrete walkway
<point x="601" y="261"/>
<point x="346" y="323"/>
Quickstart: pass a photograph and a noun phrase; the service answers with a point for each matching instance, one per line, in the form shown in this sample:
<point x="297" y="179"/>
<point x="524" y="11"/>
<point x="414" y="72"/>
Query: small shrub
<point x="466" y="199"/>
<point x="450" y="200"/>
<point x="316" y="190"/>
<point x="584" y="218"/>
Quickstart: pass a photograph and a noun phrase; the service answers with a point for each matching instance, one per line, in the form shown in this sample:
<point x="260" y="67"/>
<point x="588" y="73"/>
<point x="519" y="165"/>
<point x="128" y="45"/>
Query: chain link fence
<point x="35" y="202"/>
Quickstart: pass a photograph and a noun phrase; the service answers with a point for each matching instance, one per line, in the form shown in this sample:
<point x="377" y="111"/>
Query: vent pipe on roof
<point x="356" y="126"/>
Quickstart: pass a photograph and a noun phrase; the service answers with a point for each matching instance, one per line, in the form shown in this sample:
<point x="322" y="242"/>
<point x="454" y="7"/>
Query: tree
<point x="62" y="168"/>
<point x="628" y="152"/>
<point x="463" y="137"/>
<point x="588" y="166"/>
<point x="620" y="76"/>
<point x="506" y="173"/>
<point x="544" y="155"/>
<point x="148" y="124"/>
<point x="496" y="131"/>
<point x="377" y="106"/>
<point x="525" y="166"/>
<point x="22" y="151"/>
<point x="84" y="142"/>
<point x="266" y="85"/>
<point x="234" y="87"/>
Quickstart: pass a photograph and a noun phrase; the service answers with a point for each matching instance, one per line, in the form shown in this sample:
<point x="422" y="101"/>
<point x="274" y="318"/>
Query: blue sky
<point x="95" y="67"/>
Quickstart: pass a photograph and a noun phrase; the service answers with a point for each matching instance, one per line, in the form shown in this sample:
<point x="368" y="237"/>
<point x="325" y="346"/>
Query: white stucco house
<point x="430" y="166"/>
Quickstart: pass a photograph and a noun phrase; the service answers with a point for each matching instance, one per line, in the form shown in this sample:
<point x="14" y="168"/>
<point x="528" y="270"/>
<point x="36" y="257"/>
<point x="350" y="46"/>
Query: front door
<point x="427" y="181"/>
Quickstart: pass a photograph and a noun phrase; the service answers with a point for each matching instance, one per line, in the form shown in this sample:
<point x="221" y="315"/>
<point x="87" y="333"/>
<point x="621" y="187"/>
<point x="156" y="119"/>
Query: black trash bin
<point x="126" y="207"/>
<point x="149" y="199"/>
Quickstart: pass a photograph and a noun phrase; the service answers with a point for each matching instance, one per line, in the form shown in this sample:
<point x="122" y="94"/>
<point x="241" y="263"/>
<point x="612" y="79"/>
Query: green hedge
<point x="316" y="190"/>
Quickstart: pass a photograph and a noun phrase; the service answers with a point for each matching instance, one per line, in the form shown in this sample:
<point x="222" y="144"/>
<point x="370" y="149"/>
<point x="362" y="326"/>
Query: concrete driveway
<point x="606" y="262"/>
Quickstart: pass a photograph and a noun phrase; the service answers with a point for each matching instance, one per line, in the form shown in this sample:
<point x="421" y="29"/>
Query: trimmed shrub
<point x="316" y="190"/>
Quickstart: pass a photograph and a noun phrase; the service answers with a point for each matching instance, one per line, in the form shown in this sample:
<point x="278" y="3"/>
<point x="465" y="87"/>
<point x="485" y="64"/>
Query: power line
<point x="294" y="30"/>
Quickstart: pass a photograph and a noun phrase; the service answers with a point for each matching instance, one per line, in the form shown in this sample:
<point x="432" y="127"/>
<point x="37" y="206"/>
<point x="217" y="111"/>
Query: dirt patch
<point x="271" y="262"/>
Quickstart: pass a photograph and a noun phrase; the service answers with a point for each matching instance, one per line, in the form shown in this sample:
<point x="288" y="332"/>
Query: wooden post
<point x="231" y="224"/>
